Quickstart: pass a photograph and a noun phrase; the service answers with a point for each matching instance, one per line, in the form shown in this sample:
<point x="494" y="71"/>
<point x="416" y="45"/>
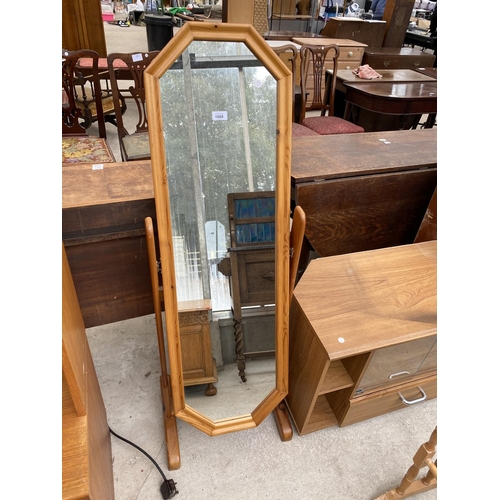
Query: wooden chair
<point x="410" y="485"/>
<point x="133" y="145"/>
<point x="312" y="66"/>
<point x="291" y="53"/>
<point x="284" y="47"/>
<point x="299" y="130"/>
<point x="77" y="145"/>
<point x="88" y="105"/>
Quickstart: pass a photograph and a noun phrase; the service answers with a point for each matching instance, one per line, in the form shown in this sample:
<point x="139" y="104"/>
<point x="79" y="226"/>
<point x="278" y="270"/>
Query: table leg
<point x="431" y="120"/>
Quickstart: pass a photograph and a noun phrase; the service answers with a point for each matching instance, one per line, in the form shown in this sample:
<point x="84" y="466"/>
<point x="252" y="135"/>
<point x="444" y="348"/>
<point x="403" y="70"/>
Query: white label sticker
<point x="98" y="166"/>
<point x="136" y="57"/>
<point x="219" y="115"/>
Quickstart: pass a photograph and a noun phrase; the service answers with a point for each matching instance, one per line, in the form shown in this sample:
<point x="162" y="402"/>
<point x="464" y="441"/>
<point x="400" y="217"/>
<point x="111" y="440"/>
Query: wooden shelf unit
<point x="363" y="338"/>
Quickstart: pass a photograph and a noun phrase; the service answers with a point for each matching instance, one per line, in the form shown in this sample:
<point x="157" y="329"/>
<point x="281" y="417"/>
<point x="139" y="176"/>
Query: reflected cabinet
<point x="220" y="130"/>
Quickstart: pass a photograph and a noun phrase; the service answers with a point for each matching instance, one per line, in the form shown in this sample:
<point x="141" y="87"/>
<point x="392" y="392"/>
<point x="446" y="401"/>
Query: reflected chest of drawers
<point x="350" y="56"/>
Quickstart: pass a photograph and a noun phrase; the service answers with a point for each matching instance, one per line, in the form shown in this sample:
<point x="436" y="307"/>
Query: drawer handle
<point x="386" y="63"/>
<point x="415" y="401"/>
<point x="350" y="53"/>
<point x="394" y="375"/>
<point x="347" y="67"/>
<point x="416" y="64"/>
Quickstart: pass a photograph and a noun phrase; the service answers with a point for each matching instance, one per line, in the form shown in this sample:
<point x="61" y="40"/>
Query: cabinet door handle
<point x="415" y="401"/>
<point x="350" y="53"/>
<point x="394" y="375"/>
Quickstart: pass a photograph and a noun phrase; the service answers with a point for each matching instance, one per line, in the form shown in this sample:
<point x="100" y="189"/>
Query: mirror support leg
<point x="171" y="436"/>
<point x="282" y="419"/>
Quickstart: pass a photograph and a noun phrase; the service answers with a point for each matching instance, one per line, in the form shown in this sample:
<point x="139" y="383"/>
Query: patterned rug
<point x="86" y="150"/>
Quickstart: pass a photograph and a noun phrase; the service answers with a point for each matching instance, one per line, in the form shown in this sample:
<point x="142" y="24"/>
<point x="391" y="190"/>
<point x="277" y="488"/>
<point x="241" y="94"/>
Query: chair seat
<point x="137" y="146"/>
<point x="301" y="131"/>
<point x="331" y="125"/>
<point x="107" y="106"/>
<point x="86" y="149"/>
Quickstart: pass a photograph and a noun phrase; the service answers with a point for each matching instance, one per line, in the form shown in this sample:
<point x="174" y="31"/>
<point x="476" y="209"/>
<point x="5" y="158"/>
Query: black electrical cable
<point x="168" y="488"/>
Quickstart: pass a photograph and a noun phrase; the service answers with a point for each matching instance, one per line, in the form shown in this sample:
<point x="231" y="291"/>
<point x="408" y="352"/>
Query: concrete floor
<point x="358" y="462"/>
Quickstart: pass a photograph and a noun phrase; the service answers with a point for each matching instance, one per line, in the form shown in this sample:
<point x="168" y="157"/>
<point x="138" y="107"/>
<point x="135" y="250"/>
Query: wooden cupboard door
<point x="399" y="362"/>
<point x="196" y="346"/>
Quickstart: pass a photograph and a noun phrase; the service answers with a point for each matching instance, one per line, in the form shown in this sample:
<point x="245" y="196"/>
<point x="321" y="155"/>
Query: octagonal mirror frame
<point x="223" y="32"/>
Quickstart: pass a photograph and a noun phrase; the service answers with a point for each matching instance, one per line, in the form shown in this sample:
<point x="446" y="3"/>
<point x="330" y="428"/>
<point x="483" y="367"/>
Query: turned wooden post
<point x="422" y="458"/>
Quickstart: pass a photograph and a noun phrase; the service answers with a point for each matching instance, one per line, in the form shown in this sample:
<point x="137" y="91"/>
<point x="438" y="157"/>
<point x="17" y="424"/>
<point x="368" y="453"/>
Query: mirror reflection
<point x="219" y="124"/>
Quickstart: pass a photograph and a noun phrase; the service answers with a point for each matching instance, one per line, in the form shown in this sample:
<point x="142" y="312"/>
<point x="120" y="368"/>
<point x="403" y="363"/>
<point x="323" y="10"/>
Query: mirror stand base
<point x="282" y="418"/>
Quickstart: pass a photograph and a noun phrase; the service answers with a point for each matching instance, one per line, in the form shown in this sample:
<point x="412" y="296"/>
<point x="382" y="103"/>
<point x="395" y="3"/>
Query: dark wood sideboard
<point x="103" y="231"/>
<point x="363" y="191"/>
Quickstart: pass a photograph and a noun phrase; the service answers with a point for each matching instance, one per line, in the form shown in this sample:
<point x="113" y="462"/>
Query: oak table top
<point x="388" y="75"/>
<point x="85" y="184"/>
<point x="359" y="154"/>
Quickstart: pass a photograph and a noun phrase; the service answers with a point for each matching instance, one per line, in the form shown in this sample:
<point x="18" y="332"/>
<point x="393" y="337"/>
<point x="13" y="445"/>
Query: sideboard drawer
<point x="386" y="400"/>
<point x="350" y="57"/>
<point x="399" y="362"/>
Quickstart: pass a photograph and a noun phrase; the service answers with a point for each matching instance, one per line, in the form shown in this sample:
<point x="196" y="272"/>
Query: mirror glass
<point x="218" y="105"/>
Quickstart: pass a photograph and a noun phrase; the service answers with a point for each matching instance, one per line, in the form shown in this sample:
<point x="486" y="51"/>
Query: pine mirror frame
<point x="223" y="32"/>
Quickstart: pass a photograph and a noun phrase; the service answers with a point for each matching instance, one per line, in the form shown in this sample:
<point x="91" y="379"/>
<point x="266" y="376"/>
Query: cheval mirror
<point x="220" y="122"/>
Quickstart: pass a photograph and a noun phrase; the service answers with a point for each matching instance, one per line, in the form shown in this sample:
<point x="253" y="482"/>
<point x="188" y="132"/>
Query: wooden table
<point x="388" y="105"/>
<point x="388" y="75"/>
<point x="103" y="231"/>
<point x="432" y="72"/>
<point x="363" y="336"/>
<point x="361" y="193"/>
